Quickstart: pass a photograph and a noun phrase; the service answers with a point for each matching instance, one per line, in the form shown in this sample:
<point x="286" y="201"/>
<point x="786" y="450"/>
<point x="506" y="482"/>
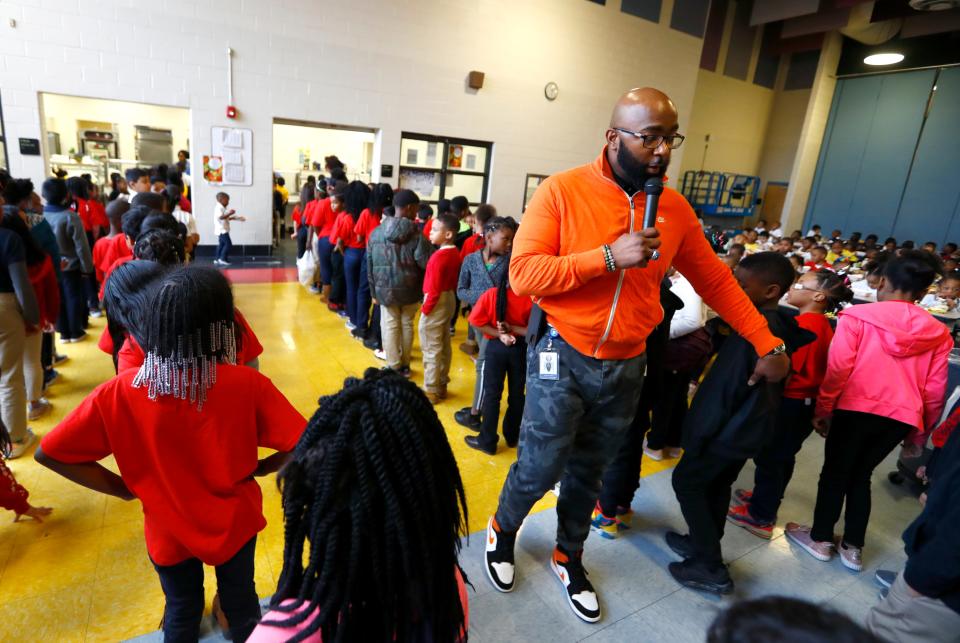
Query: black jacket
<point x="656" y="348"/>
<point x="933" y="540"/>
<point x="728" y="417"/>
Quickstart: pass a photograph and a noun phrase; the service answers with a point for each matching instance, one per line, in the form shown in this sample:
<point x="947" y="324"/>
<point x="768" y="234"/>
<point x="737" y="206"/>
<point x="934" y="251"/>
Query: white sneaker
<point x="17" y="449"/>
<point x="851" y="557"/>
<point x="350" y="326"/>
<point x="39" y="408"/>
<point x="96" y="313"/>
<point x="380" y="354"/>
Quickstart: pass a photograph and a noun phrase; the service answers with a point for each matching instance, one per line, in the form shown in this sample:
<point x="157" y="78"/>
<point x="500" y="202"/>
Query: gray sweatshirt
<point x="71" y="237"/>
<point x="475" y="279"/>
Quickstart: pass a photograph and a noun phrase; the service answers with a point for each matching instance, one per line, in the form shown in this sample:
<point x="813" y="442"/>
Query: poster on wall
<point x="234" y="147"/>
<point x="423" y="183"/>
<point x="455" y="158"/>
<point x="212" y="169"/>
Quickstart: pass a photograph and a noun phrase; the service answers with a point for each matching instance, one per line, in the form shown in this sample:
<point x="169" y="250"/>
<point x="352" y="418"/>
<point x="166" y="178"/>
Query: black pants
<point x="510" y="363"/>
<point x="301" y="240"/>
<point x="183" y="588"/>
<point x="338" y="285"/>
<point x="73" y="307"/>
<point x="47" y="349"/>
<point x="622" y="478"/>
<point x="776" y="461"/>
<point x="669" y="410"/>
<point x="703" y="483"/>
<point x="374" y="331"/>
<point x="856" y="444"/>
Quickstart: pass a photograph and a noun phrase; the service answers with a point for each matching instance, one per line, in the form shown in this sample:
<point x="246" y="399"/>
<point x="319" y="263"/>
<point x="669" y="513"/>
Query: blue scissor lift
<point x="722" y="195"/>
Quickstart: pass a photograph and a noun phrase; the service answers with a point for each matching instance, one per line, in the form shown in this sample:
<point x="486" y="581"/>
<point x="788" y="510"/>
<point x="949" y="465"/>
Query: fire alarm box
<point x="231" y="111"/>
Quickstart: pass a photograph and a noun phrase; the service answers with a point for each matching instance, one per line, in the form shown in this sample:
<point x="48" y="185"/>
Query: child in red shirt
<point x="814" y="294"/>
<point x="818" y="259"/>
<point x="439" y="301"/>
<point x="476" y="241"/>
<point x="185" y="431"/>
<point x="502" y="316"/>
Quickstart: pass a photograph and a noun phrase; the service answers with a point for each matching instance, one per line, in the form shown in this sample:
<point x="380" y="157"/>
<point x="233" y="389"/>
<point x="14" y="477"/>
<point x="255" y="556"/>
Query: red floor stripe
<point x="261" y="275"/>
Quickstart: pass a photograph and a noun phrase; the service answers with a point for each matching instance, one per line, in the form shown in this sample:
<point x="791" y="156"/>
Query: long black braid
<point x="503" y="285"/>
<point x="374" y="488"/>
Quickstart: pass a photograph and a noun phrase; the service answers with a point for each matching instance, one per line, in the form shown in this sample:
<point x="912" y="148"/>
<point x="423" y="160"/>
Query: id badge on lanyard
<point x="550" y="358"/>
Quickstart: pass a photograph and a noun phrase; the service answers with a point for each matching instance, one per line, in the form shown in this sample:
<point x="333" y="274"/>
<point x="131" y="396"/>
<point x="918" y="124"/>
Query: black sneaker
<point x="698" y="576"/>
<point x="679" y="544"/>
<point x="372" y="344"/>
<point x="467" y="419"/>
<point x="59" y="359"/>
<point x="49" y="377"/>
<point x="498" y="557"/>
<point x="359" y="333"/>
<point x="473" y="442"/>
<point x="580" y="593"/>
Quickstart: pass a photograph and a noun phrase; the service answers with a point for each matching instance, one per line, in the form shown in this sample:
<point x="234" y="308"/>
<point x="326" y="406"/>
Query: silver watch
<point x="779" y="350"/>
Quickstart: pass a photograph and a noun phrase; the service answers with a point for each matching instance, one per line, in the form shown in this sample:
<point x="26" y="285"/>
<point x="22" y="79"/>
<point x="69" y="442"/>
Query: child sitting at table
<point x="944" y="300"/>
<point x="818" y="259"/>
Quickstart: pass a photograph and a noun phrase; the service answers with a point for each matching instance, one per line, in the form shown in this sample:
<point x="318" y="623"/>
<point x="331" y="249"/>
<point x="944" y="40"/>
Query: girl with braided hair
<point x="374" y="487"/>
<point x="185" y="431"/>
<point x="502" y="317"/>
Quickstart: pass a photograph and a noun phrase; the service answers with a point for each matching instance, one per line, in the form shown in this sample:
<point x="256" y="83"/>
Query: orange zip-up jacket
<point x="558" y="260"/>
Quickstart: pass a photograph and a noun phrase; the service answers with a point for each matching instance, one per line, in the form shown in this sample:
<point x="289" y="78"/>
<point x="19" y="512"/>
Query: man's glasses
<point x="653" y="141"/>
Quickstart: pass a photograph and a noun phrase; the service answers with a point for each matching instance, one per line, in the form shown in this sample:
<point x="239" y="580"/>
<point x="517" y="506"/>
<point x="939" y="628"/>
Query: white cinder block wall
<point x="395" y="65"/>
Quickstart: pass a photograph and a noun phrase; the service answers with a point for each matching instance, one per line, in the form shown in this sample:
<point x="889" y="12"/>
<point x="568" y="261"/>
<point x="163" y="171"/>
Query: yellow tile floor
<point x="84" y="575"/>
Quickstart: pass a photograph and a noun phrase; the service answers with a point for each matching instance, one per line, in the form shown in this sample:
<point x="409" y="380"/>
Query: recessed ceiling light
<point x="883" y="59"/>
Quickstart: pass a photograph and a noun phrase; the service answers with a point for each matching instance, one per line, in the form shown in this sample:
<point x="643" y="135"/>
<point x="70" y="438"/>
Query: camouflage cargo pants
<point x="572" y="428"/>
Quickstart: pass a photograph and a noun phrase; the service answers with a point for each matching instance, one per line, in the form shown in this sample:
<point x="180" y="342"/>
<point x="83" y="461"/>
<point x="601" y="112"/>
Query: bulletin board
<point x="234" y="146"/>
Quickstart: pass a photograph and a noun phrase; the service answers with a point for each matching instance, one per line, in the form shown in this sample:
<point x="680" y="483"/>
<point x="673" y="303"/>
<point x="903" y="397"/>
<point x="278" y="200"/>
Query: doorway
<point x="99" y="136"/>
<point x="299" y="149"/>
<point x="773" y="197"/>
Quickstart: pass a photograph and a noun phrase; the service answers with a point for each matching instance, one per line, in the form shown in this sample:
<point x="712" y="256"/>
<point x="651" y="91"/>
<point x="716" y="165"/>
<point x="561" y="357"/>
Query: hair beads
<point x="187" y="373"/>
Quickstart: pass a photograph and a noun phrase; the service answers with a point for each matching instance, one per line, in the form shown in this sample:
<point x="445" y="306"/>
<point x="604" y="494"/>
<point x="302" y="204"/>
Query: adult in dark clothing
<point x="923" y="604"/>
<point x="397" y="256"/>
<point x="75" y="259"/>
<point x="622" y="477"/>
<point x="729" y="422"/>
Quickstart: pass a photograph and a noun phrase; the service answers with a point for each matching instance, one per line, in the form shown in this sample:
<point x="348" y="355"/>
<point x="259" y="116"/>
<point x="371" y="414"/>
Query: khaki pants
<point x="32" y="367"/>
<point x="904" y="618"/>
<point x="13" y="395"/>
<point x="396" y="329"/>
<point x="435" y="344"/>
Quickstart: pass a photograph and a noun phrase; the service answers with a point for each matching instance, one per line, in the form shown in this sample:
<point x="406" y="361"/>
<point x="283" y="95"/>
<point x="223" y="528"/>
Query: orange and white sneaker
<point x="498" y="556"/>
<point x="580" y="593"/>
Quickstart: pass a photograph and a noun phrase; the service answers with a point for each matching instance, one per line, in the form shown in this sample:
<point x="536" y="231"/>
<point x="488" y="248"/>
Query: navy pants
<point x="325" y="259"/>
<point x="183" y="588"/>
<point x="353" y="260"/>
<point x="364" y="298"/>
<point x="224" y="247"/>
<point x="73" y="307"/>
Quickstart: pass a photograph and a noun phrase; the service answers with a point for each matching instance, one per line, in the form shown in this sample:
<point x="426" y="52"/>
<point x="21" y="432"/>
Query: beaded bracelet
<point x="608" y="258"/>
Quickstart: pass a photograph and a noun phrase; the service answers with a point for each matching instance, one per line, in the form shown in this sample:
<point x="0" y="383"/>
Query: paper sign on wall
<point x="234" y="147"/>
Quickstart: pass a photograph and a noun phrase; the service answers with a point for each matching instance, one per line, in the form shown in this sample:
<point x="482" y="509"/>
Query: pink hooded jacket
<point x="888" y="359"/>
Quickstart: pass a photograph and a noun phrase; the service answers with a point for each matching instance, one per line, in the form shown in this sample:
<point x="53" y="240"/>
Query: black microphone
<point x="653" y="188"/>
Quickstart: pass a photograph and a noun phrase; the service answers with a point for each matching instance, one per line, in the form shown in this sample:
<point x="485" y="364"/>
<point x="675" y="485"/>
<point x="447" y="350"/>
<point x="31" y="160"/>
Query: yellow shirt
<point x="282" y="189"/>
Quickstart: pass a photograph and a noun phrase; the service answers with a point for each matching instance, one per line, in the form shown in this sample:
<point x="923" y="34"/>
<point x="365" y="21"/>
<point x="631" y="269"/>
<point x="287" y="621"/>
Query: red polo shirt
<point x="472" y="244"/>
<point x="343" y="231"/>
<point x="108" y="250"/>
<point x="484" y="312"/>
<point x="192" y="470"/>
<point x="366" y="224"/>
